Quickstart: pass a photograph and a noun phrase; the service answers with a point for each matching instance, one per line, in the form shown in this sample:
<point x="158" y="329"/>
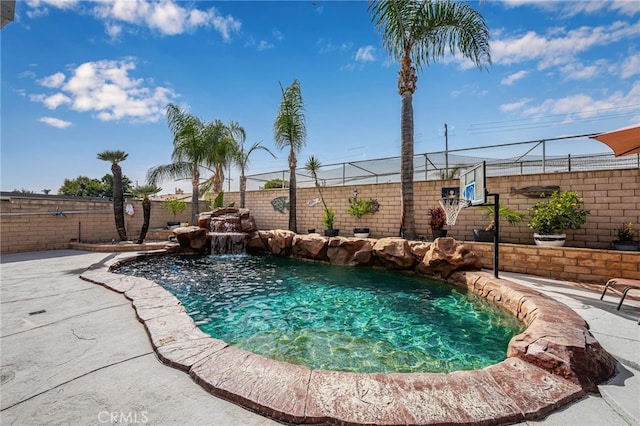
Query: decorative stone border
<point x="554" y="361"/>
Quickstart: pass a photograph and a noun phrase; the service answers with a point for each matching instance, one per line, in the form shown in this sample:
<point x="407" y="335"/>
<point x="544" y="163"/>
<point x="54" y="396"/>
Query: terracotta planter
<point x="551" y="240"/>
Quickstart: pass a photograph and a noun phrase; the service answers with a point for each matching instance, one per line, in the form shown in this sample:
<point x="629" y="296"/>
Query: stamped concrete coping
<point x="554" y="361"/>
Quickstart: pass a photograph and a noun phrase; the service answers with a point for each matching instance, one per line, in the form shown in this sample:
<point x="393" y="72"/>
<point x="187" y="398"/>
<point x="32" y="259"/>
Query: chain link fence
<point x="446" y="165"/>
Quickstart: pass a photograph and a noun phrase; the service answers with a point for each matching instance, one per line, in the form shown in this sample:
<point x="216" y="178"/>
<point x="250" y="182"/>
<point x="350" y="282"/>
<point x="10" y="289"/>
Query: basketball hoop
<point x="451" y="207"/>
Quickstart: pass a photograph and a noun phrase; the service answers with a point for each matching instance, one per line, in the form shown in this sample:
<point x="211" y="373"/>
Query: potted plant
<point x="626" y="241"/>
<point x="328" y="218"/>
<point x="504" y="212"/>
<point x="328" y="215"/>
<point x="437" y="221"/>
<point x="561" y="211"/>
<point x="175" y="206"/>
<point x="358" y="207"/>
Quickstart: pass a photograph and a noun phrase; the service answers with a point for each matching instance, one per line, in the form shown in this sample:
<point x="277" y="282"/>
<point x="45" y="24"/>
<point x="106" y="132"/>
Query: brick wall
<point x="28" y="222"/>
<point x="612" y="196"/>
<point x="562" y="263"/>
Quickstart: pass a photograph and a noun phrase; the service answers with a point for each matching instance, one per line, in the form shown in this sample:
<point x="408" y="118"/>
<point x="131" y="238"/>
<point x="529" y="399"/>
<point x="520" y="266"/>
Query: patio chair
<point x="629" y="284"/>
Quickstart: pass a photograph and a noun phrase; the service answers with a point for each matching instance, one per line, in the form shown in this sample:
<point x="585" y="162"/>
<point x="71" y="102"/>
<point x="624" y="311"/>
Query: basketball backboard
<point x="473" y="185"/>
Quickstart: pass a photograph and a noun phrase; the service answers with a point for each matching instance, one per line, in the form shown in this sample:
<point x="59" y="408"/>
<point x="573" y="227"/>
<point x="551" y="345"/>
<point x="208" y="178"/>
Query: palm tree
<point x="193" y="148"/>
<point x="144" y="192"/>
<point x="116" y="157"/>
<point x="225" y="150"/>
<point x="242" y="161"/>
<point x="418" y="33"/>
<point x="290" y="130"/>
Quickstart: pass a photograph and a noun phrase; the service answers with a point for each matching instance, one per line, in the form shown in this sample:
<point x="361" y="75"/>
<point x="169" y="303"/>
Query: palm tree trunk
<point x="406" y="169"/>
<point x="292" y="192"/>
<point x="118" y="201"/>
<point x="195" y="184"/>
<point x="146" y="215"/>
<point x="243" y="190"/>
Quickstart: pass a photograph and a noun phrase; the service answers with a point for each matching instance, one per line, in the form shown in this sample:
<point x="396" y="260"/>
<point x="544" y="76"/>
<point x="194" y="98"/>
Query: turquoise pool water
<point x="332" y="317"/>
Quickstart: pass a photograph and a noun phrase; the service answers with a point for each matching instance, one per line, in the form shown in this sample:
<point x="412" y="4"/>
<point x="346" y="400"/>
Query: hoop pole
<point x="496" y="234"/>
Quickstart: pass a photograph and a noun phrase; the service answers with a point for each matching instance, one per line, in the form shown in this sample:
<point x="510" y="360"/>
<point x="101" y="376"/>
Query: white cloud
<point x="568" y="9"/>
<point x="167" y="17"/>
<point x="107" y="89"/>
<point x="113" y="30"/>
<point x="584" y="106"/>
<point x="578" y="71"/>
<point x="559" y="46"/>
<point x="54" y="80"/>
<point x="510" y="79"/>
<point x="327" y="46"/>
<point x="277" y="34"/>
<point x="55" y="122"/>
<point x="514" y="106"/>
<point x="264" y="45"/>
<point x="630" y="66"/>
<point x="365" y="54"/>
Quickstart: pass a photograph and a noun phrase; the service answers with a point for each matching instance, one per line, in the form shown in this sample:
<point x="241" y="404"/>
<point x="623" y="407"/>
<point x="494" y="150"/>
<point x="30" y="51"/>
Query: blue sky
<point x="81" y="77"/>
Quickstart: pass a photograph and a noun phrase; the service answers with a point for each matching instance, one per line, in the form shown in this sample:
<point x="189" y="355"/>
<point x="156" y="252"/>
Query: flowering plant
<point x="438" y="218"/>
<point x="626" y="232"/>
<point x="174" y="205"/>
<point x="563" y="210"/>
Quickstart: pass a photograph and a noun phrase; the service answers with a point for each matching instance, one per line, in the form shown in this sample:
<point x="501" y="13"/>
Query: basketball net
<point x="452" y="207"/>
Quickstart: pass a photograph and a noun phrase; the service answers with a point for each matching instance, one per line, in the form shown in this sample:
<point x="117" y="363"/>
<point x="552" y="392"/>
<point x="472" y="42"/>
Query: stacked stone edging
<point x="554" y="361"/>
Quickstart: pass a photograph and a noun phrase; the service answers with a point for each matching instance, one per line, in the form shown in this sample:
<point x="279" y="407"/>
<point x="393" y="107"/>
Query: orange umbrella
<point x="625" y="141"/>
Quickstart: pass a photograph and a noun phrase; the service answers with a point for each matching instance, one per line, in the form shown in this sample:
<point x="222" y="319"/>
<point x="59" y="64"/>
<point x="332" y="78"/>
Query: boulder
<point x="350" y="251"/>
<point x="281" y="241"/>
<point x="445" y="256"/>
<point x="258" y="241"/>
<point x="394" y="253"/>
<point x="311" y="246"/>
<point x="191" y="238"/>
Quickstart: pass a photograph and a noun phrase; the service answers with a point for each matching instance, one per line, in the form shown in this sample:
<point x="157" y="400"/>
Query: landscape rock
<point x="445" y="256"/>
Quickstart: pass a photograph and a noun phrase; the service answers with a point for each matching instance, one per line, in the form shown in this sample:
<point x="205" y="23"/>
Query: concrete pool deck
<point x="87" y="360"/>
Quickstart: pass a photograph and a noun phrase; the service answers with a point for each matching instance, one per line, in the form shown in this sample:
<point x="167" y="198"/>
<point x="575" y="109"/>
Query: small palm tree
<point x="242" y="161"/>
<point x="116" y="157"/>
<point x="328" y="215"/>
<point x="144" y="192"/>
<point x="193" y="148"/>
<point x="419" y="32"/>
<point x="225" y="148"/>
<point x="289" y="130"/>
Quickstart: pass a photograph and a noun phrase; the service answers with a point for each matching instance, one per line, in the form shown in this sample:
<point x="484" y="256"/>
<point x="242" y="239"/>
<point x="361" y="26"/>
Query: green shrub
<point x="563" y="210"/>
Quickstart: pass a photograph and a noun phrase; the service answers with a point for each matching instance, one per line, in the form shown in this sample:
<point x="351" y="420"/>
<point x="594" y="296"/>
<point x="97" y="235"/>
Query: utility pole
<point x="446" y="151"/>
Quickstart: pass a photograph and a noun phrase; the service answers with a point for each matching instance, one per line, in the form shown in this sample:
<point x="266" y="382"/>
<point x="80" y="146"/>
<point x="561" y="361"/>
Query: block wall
<point x="27" y="223"/>
<point x="612" y="196"/>
<point x="31" y="223"/>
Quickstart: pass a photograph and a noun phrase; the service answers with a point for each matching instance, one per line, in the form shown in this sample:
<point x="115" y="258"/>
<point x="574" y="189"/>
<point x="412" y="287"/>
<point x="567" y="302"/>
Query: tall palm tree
<point x="144" y="192"/>
<point x="416" y="32"/>
<point x="192" y="149"/>
<point x="289" y="130"/>
<point x="116" y="157"/>
<point x="242" y="162"/>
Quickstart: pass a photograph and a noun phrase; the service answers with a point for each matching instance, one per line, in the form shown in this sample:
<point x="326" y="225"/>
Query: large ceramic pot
<point x="439" y="233"/>
<point x="361" y="232"/>
<point x="550" y="240"/>
<point x="483" y="236"/>
<point x="626" y="245"/>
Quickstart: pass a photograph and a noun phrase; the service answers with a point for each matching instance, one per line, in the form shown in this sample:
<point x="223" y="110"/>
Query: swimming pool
<point x="335" y="318"/>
